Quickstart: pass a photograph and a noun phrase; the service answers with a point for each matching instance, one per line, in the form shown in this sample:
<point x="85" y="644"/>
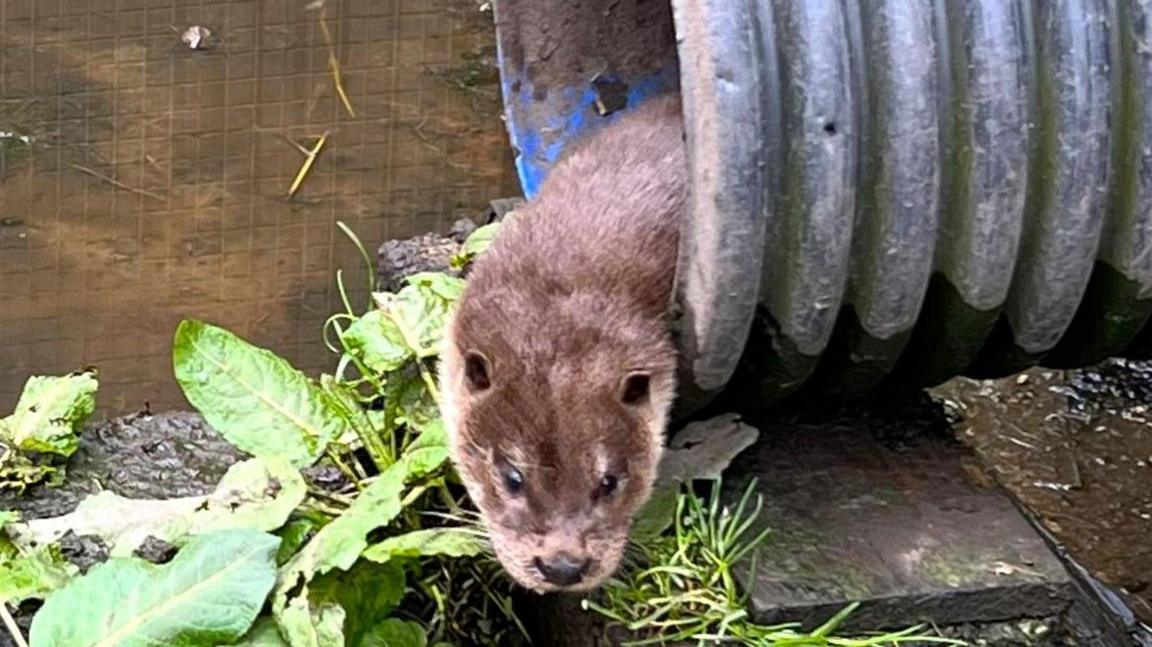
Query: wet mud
<point x="1075" y="449"/>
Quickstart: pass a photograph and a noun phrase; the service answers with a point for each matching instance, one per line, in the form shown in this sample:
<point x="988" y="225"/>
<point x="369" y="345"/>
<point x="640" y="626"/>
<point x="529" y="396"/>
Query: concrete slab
<point x="913" y="534"/>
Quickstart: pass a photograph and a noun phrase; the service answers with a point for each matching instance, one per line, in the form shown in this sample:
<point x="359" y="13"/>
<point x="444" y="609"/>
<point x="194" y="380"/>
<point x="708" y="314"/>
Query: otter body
<point x="558" y="367"/>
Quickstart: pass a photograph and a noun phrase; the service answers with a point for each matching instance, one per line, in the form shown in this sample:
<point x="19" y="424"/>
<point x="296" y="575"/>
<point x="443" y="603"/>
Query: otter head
<point x="558" y="445"/>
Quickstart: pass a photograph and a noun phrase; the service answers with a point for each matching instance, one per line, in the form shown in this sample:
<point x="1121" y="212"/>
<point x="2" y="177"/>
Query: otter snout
<point x="562" y="569"/>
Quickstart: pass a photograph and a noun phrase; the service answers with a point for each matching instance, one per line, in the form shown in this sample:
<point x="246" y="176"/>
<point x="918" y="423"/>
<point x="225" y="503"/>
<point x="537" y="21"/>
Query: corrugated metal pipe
<point x="883" y="191"/>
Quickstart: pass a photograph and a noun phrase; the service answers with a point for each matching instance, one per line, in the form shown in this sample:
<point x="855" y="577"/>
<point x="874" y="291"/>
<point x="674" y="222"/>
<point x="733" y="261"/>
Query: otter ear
<point x="634" y="388"/>
<point x="476" y="371"/>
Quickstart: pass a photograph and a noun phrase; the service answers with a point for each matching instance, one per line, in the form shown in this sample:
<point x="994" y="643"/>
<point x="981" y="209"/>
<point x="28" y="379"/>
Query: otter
<point x="558" y="367"/>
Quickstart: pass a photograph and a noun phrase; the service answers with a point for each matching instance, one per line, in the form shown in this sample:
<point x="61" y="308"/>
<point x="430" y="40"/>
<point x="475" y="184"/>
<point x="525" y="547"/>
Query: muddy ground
<point x="1075" y="448"/>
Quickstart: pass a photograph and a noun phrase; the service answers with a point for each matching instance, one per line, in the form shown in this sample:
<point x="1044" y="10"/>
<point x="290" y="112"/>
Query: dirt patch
<point x="1075" y="448"/>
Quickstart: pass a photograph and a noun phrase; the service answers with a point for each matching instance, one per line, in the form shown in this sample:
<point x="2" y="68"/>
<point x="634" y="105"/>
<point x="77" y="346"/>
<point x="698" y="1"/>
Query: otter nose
<point x="562" y="569"/>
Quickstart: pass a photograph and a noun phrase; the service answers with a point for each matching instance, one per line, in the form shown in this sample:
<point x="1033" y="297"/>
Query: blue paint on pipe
<point x="540" y="131"/>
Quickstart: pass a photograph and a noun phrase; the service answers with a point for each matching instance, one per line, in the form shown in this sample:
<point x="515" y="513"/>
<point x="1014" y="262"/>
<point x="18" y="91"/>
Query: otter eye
<point x="608" y="485"/>
<point x="513" y="480"/>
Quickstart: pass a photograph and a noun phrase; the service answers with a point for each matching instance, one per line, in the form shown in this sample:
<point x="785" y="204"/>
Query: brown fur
<point x="569" y="300"/>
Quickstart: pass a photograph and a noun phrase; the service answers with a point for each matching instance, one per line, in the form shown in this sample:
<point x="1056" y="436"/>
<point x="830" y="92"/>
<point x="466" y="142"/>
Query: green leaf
<point x="658" y="514"/>
<point x="340" y="543"/>
<point x="35" y="574"/>
<point x="447" y="542"/>
<point x="307" y="622"/>
<point x="343" y="398"/>
<point x="394" y="632"/>
<point x="368" y="593"/>
<point x="419" y="313"/>
<point x="442" y="285"/>
<point x="406" y="325"/>
<point x="433" y="433"/>
<point x="254" y="398"/>
<point x="480" y="240"/>
<point x="263" y="634"/>
<point x="376" y="340"/>
<point x="414" y="405"/>
<point x="51" y="413"/>
<point x="210" y="593"/>
<point x="258" y="494"/>
<point x="293" y="535"/>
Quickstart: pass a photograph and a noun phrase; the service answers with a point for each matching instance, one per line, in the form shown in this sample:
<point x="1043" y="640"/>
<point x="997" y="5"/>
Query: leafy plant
<point x="377" y="420"/>
<point x="209" y="594"/>
<point x="46" y="425"/>
<point x="476" y="244"/>
<point x="28" y="571"/>
<point x="255" y="399"/>
<point x="683" y="589"/>
<point x="386" y="558"/>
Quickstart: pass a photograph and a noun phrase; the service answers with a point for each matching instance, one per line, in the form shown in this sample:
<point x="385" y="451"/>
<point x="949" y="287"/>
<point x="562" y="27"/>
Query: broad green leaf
<point x="7" y="517"/>
<point x="395" y="632"/>
<point x="312" y="623"/>
<point x="433" y="433"/>
<point x="254" y="398"/>
<point x="378" y="342"/>
<point x="209" y="594"/>
<point x="480" y="240"/>
<point x="259" y="494"/>
<point x="419" y="314"/>
<point x="339" y="608"/>
<point x="405" y="325"/>
<point x="340" y="543"/>
<point x="33" y="574"/>
<point x="446" y="287"/>
<point x="448" y="542"/>
<point x="343" y="398"/>
<point x="368" y="593"/>
<point x="51" y="413"/>
<point x="411" y="403"/>
<point x="263" y="634"/>
<point x="293" y="535"/>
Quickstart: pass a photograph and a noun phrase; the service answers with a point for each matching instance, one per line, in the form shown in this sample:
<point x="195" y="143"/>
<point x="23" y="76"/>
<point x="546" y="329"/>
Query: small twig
<point x="309" y="159"/>
<point x="13" y="628"/>
<point x="330" y="497"/>
<point x="334" y="65"/>
<point x="344" y="469"/>
<point x="117" y="183"/>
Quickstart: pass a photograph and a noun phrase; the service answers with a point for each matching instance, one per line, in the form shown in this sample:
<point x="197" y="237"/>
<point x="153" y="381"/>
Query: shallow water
<point x="142" y="181"/>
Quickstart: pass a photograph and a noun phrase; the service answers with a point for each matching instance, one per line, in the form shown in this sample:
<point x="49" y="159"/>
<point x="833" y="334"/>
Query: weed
<point x="683" y="587"/>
